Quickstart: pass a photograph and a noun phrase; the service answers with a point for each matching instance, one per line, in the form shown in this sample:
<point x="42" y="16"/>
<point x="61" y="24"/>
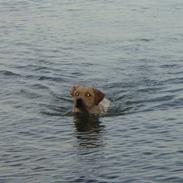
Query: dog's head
<point x="85" y="98"/>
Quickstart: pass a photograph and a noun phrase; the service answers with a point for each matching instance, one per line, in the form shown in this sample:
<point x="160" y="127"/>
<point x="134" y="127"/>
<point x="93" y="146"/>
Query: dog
<point x="89" y="100"/>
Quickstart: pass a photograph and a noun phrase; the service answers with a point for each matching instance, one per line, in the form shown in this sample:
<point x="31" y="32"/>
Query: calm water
<point x="132" y="50"/>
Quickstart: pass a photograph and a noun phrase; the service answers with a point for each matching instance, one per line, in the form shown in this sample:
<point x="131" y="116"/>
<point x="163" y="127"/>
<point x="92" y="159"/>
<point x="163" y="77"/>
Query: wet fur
<point x="88" y="99"/>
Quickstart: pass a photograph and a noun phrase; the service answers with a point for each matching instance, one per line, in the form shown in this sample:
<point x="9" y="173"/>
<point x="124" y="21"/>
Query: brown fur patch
<point x="99" y="96"/>
<point x="86" y="99"/>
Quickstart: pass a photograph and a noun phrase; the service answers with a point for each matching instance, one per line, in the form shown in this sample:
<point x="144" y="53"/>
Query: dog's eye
<point x="88" y="94"/>
<point x="77" y="94"/>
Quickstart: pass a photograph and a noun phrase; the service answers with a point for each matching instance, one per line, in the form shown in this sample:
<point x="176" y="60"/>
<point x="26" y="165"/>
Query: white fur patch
<point x="104" y="105"/>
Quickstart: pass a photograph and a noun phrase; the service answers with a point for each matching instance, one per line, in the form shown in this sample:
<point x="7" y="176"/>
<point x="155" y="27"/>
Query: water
<point x="131" y="50"/>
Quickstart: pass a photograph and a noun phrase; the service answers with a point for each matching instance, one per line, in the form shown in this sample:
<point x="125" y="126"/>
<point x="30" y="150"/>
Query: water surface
<point x="131" y="50"/>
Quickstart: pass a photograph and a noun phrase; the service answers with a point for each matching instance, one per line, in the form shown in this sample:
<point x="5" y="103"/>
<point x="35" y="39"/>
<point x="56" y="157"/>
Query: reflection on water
<point x="88" y="130"/>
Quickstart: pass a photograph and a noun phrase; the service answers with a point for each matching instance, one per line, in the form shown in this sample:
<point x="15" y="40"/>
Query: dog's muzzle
<point x="79" y="103"/>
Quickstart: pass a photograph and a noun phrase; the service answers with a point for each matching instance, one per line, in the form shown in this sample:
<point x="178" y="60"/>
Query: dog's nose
<point x="79" y="102"/>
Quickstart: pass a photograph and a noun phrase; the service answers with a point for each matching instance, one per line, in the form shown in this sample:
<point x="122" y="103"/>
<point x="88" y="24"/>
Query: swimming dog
<point x="89" y="100"/>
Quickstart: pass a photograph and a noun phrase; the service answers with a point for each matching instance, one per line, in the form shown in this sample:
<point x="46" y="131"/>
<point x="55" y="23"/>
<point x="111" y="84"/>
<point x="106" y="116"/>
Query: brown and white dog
<point x="90" y="100"/>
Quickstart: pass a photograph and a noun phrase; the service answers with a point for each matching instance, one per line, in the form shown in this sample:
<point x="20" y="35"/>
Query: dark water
<point x="132" y="50"/>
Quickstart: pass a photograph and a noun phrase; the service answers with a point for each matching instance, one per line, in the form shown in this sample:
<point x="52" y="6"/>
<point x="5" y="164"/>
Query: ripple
<point x="9" y="73"/>
<point x="29" y="94"/>
<point x="177" y="179"/>
<point x="143" y="40"/>
<point x="51" y="78"/>
<point x="171" y="66"/>
<point x="39" y="86"/>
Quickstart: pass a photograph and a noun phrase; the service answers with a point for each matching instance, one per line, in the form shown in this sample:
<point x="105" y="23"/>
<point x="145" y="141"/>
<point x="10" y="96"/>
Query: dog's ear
<point x="99" y="96"/>
<point x="73" y="89"/>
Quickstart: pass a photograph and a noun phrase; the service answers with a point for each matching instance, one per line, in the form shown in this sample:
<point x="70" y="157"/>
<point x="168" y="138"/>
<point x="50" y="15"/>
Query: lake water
<point x="132" y="50"/>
